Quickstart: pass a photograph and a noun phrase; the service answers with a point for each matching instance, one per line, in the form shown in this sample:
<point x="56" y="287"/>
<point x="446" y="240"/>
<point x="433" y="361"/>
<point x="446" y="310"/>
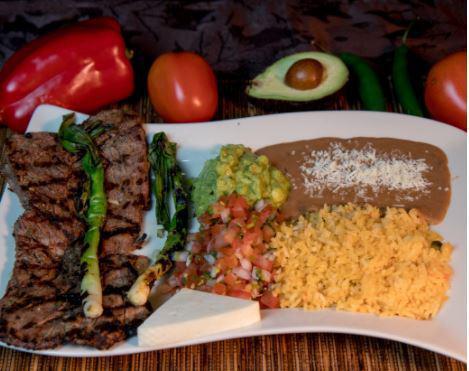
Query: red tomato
<point x="270" y="301"/>
<point x="239" y="294"/>
<point x="247" y="250"/>
<point x="230" y="279"/>
<point x="183" y="87"/>
<point x="219" y="288"/>
<point x="231" y="233"/>
<point x="268" y="232"/>
<point x="264" y="263"/>
<point x="446" y="90"/>
<point x="227" y="262"/>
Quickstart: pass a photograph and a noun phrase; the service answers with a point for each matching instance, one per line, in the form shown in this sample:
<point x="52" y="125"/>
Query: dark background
<point x="245" y="36"/>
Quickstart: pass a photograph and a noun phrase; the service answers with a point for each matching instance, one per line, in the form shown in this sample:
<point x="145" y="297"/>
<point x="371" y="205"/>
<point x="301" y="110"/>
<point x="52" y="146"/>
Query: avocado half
<point x="270" y="84"/>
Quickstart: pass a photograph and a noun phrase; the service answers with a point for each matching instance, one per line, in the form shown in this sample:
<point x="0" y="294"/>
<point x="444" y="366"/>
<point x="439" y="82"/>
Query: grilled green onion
<point x="75" y="139"/>
<point x="169" y="185"/>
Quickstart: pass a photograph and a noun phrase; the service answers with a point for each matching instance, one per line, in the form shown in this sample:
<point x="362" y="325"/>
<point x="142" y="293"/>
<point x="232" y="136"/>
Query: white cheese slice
<point x="191" y="314"/>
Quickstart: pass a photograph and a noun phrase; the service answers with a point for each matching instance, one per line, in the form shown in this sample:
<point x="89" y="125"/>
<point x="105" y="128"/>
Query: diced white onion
<point x="220" y="278"/>
<point x="225" y="215"/>
<point x="189" y="259"/>
<point x="266" y="276"/>
<point x="173" y="281"/>
<point x="211" y="283"/>
<point x="214" y="271"/>
<point x="242" y="273"/>
<point x="209" y="258"/>
<point x="246" y="264"/>
<point x="180" y="256"/>
<point x="260" y="205"/>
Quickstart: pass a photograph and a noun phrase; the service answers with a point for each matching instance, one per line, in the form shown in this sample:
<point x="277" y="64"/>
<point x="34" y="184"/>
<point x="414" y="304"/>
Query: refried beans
<point x="384" y="172"/>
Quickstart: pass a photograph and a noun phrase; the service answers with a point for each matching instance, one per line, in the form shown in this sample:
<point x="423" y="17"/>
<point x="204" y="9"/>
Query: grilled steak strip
<point x="43" y="174"/>
<point x="42" y="305"/>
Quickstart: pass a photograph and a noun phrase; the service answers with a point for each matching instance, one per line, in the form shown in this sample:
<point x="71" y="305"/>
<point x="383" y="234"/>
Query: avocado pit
<point x="304" y="74"/>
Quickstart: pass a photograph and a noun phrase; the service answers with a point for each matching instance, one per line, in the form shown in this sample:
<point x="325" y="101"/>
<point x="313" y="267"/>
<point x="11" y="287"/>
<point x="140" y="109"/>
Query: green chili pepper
<point x="401" y="80"/>
<point x="75" y="139"/>
<point x="169" y="185"/>
<point x="369" y="87"/>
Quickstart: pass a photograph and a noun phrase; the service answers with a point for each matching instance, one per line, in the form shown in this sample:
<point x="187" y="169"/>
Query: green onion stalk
<point x="76" y="139"/>
<point x="168" y="186"/>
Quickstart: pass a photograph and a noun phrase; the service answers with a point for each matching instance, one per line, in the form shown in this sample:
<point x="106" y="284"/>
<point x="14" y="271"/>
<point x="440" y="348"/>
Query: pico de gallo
<point x="230" y="254"/>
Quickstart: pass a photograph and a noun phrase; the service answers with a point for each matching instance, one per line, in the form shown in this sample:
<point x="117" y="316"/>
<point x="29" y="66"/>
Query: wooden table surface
<point x="295" y="352"/>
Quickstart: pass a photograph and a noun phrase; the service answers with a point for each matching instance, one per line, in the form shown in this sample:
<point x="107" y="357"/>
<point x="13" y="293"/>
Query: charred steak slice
<point x="35" y="302"/>
<point x="43" y="174"/>
<point x="124" y="150"/>
<point x="42" y="305"/>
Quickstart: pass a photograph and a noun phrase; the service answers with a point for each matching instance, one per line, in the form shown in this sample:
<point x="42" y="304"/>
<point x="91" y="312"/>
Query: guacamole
<point x="238" y="170"/>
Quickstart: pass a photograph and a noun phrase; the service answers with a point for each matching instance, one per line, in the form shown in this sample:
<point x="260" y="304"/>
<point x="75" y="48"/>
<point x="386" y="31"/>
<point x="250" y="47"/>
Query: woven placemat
<point x="281" y="352"/>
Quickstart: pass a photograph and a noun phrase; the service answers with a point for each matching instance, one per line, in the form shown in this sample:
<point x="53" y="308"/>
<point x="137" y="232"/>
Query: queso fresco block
<point x="191" y="314"/>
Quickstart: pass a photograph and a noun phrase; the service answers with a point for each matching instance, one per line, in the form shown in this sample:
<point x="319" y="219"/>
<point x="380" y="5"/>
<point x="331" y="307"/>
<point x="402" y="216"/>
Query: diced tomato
<point x="230" y="279"/>
<point x="239" y="285"/>
<point x="219" y="288"/>
<point x="228" y="250"/>
<point x="219" y="240"/>
<point x="264" y="263"/>
<point x="196" y="247"/>
<point x="260" y="249"/>
<point x="237" y="243"/>
<point x="238" y="202"/>
<point x="227" y="262"/>
<point x="254" y="237"/>
<point x="198" y="259"/>
<point x="206" y="267"/>
<point x="241" y="294"/>
<point x="231" y="233"/>
<point x="217" y="209"/>
<point x="224" y="200"/>
<point x="239" y="207"/>
<point x="269" y="300"/>
<point x="266" y="213"/>
<point x="239" y="236"/>
<point x="240" y="222"/>
<point x="247" y="250"/>
<point x="217" y="229"/>
<point x="238" y="212"/>
<point x="180" y="266"/>
<point x="268" y="233"/>
<point x="205" y="219"/>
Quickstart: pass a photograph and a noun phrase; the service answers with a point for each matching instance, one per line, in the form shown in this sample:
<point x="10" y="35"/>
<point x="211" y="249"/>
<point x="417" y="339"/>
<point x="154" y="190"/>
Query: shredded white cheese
<point x="338" y="168"/>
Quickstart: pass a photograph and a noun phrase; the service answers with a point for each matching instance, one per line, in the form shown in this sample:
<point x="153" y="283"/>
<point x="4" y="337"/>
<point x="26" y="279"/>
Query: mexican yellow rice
<point x="356" y="259"/>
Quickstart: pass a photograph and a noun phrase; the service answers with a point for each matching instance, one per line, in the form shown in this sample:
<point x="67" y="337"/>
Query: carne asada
<point x="42" y="304"/>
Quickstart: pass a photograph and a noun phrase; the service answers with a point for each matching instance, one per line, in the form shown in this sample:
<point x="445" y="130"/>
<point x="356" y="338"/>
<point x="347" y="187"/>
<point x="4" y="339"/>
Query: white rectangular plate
<point x="446" y="333"/>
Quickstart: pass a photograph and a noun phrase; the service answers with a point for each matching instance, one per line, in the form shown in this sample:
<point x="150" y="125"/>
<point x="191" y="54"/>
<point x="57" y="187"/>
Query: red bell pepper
<point x="82" y="67"/>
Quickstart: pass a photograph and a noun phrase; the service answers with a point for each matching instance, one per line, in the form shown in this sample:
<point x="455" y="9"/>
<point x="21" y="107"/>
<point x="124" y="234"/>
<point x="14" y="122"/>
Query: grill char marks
<point x="42" y="305"/>
<point x="123" y="148"/>
<point x="43" y="174"/>
<point x="33" y="308"/>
